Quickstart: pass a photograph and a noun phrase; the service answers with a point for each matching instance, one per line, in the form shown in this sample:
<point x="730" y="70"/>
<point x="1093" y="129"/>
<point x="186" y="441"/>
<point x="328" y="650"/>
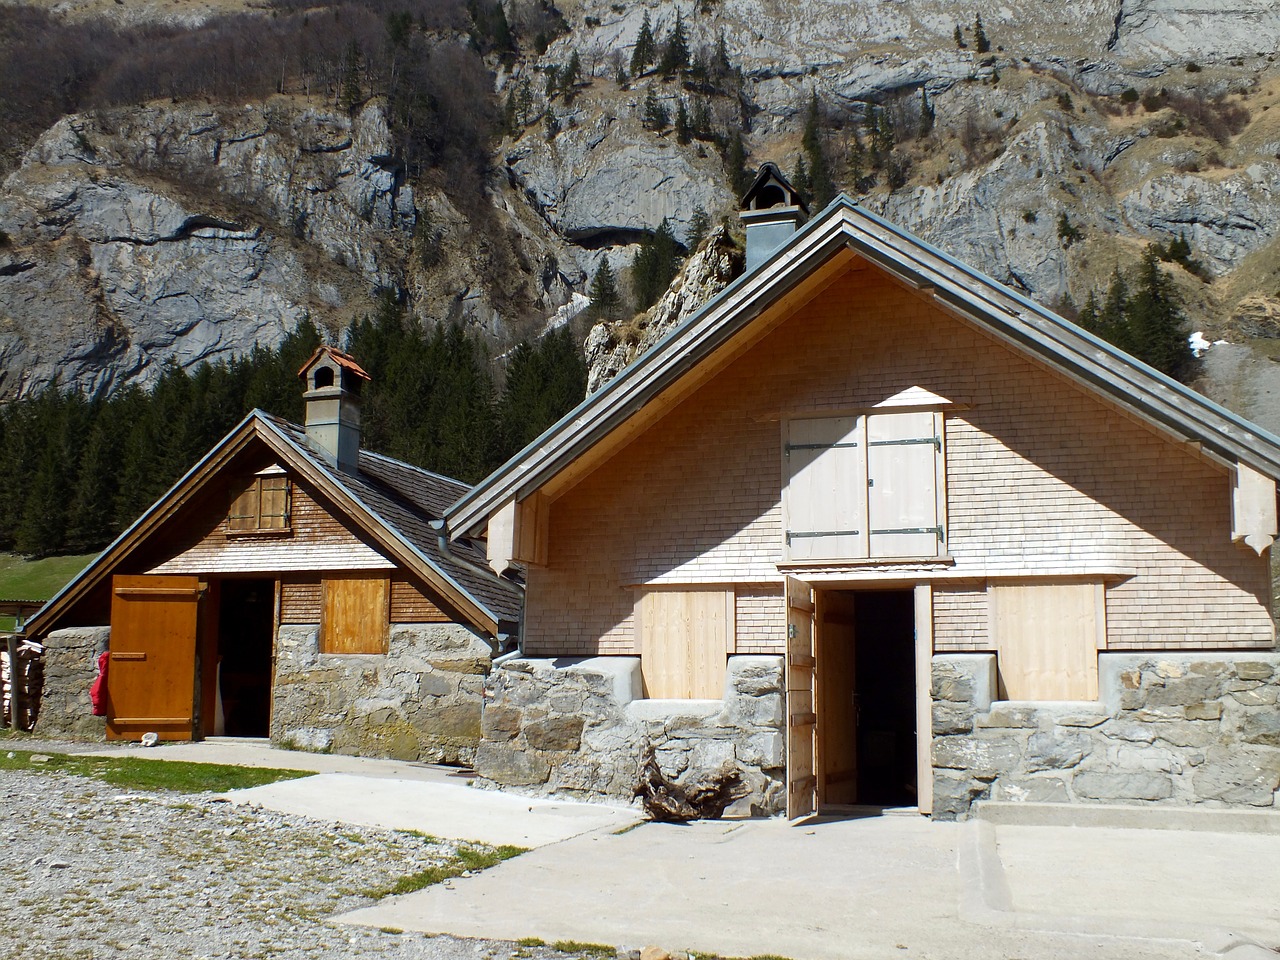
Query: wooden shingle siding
<point x="318" y="541"/>
<point x="410" y="605"/>
<point x="300" y="602"/>
<point x="759" y="617"/>
<point x="1043" y="478"/>
<point x="960" y="618"/>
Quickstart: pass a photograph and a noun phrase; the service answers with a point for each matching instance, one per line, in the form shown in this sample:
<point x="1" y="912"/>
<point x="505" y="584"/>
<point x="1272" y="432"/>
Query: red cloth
<point x="98" y="692"/>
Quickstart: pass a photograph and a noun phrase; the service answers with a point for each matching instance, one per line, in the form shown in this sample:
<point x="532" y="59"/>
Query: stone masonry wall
<point x="577" y="728"/>
<point x="70" y="667"/>
<point x="420" y="701"/>
<point x="1169" y="729"/>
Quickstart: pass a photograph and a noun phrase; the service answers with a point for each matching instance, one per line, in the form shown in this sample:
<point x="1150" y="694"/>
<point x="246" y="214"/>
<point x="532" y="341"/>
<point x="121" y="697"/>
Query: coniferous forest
<point x="77" y="470"/>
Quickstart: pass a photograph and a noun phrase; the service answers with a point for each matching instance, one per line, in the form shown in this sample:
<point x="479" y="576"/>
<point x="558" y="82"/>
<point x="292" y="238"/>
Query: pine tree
<point x="675" y="52"/>
<point x="1155" y="319"/>
<point x="699" y="224"/>
<point x="350" y="94"/>
<point x="800" y="178"/>
<point x="821" y="185"/>
<point x="656" y="117"/>
<point x="605" y="300"/>
<point x="735" y="163"/>
<point x="655" y="266"/>
<point x="926" y="114"/>
<point x="684" y="132"/>
<point x="643" y="53"/>
<point x="960" y="44"/>
<point x="980" y="41"/>
<point x="570" y="75"/>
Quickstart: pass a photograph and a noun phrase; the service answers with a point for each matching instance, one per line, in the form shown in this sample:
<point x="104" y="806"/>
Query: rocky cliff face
<point x="1088" y="130"/>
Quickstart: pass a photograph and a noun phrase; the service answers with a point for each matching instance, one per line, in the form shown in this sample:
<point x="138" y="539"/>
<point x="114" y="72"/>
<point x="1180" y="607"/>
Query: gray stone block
<point x="1056" y="751"/>
<point x="951" y="718"/>
<point x="1240" y="777"/>
<point x="1010" y="715"/>
<point x="1032" y="789"/>
<point x="1099" y="785"/>
<point x="1261" y="727"/>
<point x="510" y="766"/>
<point x="1254" y="670"/>
<point x="554" y="733"/>
<point x="953" y="796"/>
<point x="1204" y="711"/>
<point x="979" y="757"/>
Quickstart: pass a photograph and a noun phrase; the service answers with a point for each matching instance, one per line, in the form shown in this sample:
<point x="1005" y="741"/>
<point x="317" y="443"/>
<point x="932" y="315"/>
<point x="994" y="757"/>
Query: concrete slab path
<point x="888" y="886"/>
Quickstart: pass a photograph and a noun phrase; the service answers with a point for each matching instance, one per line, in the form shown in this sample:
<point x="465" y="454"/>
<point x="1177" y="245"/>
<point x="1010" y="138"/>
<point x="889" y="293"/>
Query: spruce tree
<point x="684" y="132"/>
<point x="350" y="94"/>
<point x="699" y="224"/>
<point x="959" y="36"/>
<point x="980" y="41"/>
<point x="643" y="53"/>
<point x="656" y="117"/>
<point x="675" y="52"/>
<point x="822" y="187"/>
<point x="655" y="266"/>
<point x="735" y="163"/>
<point x="605" y="300"/>
<point x="1155" y="319"/>
<point x="926" y="114"/>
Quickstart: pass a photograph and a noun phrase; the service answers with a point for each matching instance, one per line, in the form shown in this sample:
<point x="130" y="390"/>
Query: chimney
<point x="333" y="383"/>
<point x="772" y="210"/>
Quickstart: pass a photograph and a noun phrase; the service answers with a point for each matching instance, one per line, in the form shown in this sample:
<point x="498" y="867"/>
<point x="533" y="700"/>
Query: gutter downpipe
<point x="442" y="540"/>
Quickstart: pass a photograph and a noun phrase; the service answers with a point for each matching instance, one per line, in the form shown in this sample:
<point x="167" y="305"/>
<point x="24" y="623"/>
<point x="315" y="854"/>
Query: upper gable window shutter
<point x="826" y="489"/>
<point x="904" y="452"/>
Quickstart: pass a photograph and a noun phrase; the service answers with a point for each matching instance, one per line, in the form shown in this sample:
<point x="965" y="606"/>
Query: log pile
<point x="21" y="680"/>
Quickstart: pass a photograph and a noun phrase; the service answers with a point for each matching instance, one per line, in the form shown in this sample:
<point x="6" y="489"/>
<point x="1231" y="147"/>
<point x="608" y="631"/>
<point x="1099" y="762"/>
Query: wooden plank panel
<point x="683" y="636"/>
<point x="902" y="478"/>
<point x="152" y="673"/>
<point x="924" y="697"/>
<point x="354" y="617"/>
<point x="825" y="491"/>
<point x="801" y="720"/>
<point x="1047" y="640"/>
<point x="837" y="709"/>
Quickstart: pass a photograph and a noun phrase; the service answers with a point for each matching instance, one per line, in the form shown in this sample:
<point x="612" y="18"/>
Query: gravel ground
<point x="88" y="870"/>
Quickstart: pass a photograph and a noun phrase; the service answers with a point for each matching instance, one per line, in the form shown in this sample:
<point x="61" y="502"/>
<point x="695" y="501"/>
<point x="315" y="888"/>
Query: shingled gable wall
<point x="1043" y="479"/>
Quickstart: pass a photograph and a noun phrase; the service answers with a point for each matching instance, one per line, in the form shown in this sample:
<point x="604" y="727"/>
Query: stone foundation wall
<point x="1169" y="729"/>
<point x="579" y="728"/>
<point x="420" y="701"/>
<point x="70" y="667"/>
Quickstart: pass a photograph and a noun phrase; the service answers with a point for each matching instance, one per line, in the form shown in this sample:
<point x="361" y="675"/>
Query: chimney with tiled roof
<point x="333" y="383"/>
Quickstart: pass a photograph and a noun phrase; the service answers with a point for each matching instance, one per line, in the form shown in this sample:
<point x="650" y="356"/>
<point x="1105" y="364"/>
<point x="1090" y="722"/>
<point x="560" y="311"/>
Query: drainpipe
<point x="442" y="540"/>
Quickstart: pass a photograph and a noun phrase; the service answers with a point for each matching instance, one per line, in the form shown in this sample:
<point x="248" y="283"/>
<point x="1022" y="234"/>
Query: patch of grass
<point x="590" y="949"/>
<point x="22" y="579"/>
<point x="140" y="774"/>
<point x="467" y="857"/>
<point x="531" y="942"/>
<point x="628" y="828"/>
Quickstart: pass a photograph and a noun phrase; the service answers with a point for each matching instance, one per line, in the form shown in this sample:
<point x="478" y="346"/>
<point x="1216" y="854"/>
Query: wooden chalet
<point x="285" y="579"/>
<point x="912" y="499"/>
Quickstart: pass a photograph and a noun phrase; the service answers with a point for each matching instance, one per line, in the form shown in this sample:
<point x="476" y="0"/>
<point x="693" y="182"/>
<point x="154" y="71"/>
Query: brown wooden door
<point x="802" y="722"/>
<point x="151" y="678"/>
<point x="837" y="705"/>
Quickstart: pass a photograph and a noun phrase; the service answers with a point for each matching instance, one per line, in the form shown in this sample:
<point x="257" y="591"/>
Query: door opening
<point x="245" y="618"/>
<point x="866" y="697"/>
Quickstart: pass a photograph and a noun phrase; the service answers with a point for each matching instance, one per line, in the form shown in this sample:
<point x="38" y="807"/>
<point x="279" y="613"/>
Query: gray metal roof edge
<point x="382" y="522"/>
<point x="495" y="489"/>
<point x="161" y="502"/>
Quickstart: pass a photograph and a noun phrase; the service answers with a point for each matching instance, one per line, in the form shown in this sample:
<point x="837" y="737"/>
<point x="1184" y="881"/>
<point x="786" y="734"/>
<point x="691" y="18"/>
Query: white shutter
<point x="903" y="454"/>
<point x="825" y="499"/>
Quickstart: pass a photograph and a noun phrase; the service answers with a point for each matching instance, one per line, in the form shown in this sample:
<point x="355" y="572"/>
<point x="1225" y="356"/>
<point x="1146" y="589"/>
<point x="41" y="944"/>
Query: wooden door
<point x="837" y="708"/>
<point x="151" y="675"/>
<point x="802" y="721"/>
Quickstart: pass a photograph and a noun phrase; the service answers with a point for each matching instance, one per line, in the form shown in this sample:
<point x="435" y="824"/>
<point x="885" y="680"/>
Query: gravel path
<point x="88" y="870"/>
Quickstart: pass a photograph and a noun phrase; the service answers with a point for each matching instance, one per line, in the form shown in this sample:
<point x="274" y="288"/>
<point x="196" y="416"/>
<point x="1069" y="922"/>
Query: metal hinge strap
<point x="906" y="530"/>
<point x="798" y="534"/>
<point x="936" y="441"/>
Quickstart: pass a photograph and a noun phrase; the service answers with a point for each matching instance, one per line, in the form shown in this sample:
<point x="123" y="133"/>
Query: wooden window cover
<point x="684" y="636"/>
<point x="1047" y="638"/>
<point x="354" y="618"/>
<point x="262" y="506"/>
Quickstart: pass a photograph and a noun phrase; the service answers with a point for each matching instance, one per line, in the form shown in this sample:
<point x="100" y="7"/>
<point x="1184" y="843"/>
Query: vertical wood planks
<point x="684" y="635"/>
<point x="355" y="615"/>
<point x="802" y="722"/>
<point x="1047" y="640"/>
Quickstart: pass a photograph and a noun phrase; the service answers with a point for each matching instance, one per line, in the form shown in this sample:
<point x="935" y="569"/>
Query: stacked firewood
<point x="21" y="680"/>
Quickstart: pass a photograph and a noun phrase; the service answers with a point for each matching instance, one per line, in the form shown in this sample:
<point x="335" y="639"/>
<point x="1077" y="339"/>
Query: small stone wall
<point x="70" y="667"/>
<point x="578" y="728"/>
<point x="1169" y="729"/>
<point x="419" y="701"/>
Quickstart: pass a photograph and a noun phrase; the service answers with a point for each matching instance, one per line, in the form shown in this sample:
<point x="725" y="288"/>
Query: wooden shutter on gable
<point x="903" y="454"/>
<point x="825" y="464"/>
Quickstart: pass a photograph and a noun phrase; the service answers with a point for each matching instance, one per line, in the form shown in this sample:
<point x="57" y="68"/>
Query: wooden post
<point x="15" y="685"/>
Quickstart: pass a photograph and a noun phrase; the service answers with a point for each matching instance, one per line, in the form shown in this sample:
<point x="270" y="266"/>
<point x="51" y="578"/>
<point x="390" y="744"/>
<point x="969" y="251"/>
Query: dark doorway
<point x="867" y="697"/>
<point x="245" y="617"/>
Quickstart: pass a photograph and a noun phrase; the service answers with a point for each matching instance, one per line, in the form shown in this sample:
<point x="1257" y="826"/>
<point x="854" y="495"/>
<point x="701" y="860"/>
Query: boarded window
<point x="684" y="639"/>
<point x="864" y="487"/>
<point x="262" y="505"/>
<point x="1047" y="638"/>
<point x="354" y="616"/>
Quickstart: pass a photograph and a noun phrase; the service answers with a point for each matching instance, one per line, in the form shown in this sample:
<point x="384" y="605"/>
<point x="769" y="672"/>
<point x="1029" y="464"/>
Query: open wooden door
<point x="151" y="677"/>
<point x="802" y="721"/>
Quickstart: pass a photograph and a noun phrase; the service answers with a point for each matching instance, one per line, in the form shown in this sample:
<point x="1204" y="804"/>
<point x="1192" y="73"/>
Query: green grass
<point x="467" y="857"/>
<point x="531" y="942"/>
<point x="589" y="949"/>
<point x="142" y="774"/>
<point x="22" y="579"/>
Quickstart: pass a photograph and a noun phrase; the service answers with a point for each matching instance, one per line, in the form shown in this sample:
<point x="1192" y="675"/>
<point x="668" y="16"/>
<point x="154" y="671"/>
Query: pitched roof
<point x="393" y="502"/>
<point x="840" y="233"/>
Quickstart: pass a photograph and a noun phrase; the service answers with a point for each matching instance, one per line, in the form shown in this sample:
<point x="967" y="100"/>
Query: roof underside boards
<point x="842" y="226"/>
<point x="393" y="502"/>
